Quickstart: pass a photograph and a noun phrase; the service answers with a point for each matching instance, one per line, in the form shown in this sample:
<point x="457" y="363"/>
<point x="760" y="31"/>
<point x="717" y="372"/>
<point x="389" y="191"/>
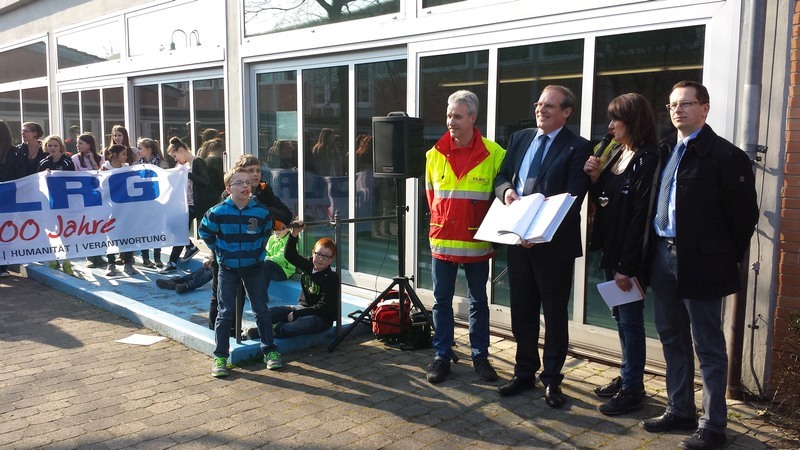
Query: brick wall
<point x="789" y="266"/>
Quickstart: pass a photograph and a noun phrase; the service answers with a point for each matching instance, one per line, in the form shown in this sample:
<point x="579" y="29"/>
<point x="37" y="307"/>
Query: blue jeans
<point x="684" y="326"/>
<point x="299" y="326"/>
<point x="444" y="286"/>
<point x="229" y="281"/>
<point x="630" y="326"/>
<point x="273" y="272"/>
<point x="197" y="278"/>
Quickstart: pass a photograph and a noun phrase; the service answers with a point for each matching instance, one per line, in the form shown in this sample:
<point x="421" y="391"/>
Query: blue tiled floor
<point x="183" y="317"/>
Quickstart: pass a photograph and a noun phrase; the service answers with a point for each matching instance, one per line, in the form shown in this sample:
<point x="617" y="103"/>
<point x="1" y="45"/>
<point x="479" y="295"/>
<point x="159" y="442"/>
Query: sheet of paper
<point x="141" y="339"/>
<point x="614" y="296"/>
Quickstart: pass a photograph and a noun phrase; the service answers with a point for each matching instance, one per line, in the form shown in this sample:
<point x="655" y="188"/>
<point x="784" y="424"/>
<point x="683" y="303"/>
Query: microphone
<point x="603" y="144"/>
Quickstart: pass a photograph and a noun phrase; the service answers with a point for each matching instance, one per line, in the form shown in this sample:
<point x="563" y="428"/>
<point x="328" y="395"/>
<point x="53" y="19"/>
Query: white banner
<point x="64" y="215"/>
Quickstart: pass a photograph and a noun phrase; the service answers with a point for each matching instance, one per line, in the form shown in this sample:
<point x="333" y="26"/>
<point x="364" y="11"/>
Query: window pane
<point x="93" y="45"/>
<point x="145" y="101"/>
<point x="522" y="73"/>
<point x="175" y="101"/>
<point x="648" y="63"/>
<point x="90" y="104"/>
<point x="209" y="109"/>
<point x="35" y="107"/>
<point x="22" y="63"/>
<point x="440" y="76"/>
<point x="10" y="112"/>
<point x="272" y="16"/>
<point x="114" y="110"/>
<point x="178" y="28"/>
<point x="277" y="134"/>
<point x="70" y="110"/>
<point x="325" y="127"/>
<point x="380" y="89"/>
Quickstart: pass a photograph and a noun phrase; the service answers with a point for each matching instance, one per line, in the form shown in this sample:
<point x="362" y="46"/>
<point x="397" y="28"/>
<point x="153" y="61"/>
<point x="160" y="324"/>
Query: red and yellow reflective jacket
<point x="459" y="183"/>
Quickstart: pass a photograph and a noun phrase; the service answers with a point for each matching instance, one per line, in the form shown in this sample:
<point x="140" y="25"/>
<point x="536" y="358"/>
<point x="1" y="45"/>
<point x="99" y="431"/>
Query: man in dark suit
<point x="548" y="160"/>
<point x="704" y="215"/>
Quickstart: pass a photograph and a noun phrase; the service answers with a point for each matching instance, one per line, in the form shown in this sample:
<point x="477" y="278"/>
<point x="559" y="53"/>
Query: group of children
<point x="239" y="230"/>
<point x="246" y="232"/>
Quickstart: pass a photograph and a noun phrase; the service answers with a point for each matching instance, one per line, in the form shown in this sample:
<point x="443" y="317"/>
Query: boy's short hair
<point x="248" y="160"/>
<point x="229" y="174"/>
<point x="327" y="243"/>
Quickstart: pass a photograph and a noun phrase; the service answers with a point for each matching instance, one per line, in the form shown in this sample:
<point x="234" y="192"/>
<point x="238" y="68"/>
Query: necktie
<point x="667" y="177"/>
<point x="533" y="172"/>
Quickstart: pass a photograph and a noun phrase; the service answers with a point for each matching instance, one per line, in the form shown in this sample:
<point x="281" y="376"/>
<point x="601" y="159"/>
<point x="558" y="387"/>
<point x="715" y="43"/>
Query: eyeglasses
<point x="27" y="131"/>
<point x="544" y="106"/>
<point x="683" y="105"/>
<point x="322" y="257"/>
<point x="240" y="183"/>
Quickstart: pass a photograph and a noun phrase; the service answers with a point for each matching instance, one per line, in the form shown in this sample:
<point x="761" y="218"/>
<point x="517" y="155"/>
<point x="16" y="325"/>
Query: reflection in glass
<point x="380" y="89"/>
<point x="36" y="108"/>
<point x="272" y="16"/>
<point x="524" y="71"/>
<point x="209" y="109"/>
<point x="70" y="119"/>
<point x="175" y="103"/>
<point x="10" y="111"/>
<point x="22" y="63"/>
<point x="325" y="127"/>
<point x="113" y="109"/>
<point x="440" y="76"/>
<point x="70" y="110"/>
<point x="177" y="28"/>
<point x="145" y="103"/>
<point x="277" y="134"/>
<point x="90" y="106"/>
<point x="99" y="43"/>
<point x="648" y="63"/>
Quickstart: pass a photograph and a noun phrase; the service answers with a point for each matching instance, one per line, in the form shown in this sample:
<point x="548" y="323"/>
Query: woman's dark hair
<point x="114" y="150"/>
<point x="636" y="113"/>
<point x="89" y="139"/>
<point x="176" y="143"/>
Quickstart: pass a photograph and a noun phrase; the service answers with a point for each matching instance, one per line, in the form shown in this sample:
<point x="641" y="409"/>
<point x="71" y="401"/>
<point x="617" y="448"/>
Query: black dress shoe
<point x="515" y="386"/>
<point x="669" y="421"/>
<point x="703" y="439"/>
<point x="553" y="396"/>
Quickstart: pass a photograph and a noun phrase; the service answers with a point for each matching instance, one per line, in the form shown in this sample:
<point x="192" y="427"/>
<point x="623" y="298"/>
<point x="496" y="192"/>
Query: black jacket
<point x="620" y="226"/>
<point x="320" y="296"/>
<point x="715" y="213"/>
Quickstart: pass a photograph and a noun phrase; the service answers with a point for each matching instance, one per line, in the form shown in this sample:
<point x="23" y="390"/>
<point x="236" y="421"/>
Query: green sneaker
<point x="220" y="367"/>
<point x="67" y="267"/>
<point x="273" y="360"/>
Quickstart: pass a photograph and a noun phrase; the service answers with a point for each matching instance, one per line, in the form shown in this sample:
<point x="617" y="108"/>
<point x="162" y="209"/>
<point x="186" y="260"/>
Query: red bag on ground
<point x="386" y="316"/>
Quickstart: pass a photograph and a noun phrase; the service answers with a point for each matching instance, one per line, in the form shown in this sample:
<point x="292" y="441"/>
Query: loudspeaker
<point x="398" y="146"/>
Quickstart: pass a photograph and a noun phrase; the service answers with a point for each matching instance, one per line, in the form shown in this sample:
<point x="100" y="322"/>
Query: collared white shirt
<point x="669" y="231"/>
<point x="530" y="153"/>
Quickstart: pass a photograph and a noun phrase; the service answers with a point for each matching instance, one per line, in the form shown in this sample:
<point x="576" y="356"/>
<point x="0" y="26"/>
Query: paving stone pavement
<point x="67" y="383"/>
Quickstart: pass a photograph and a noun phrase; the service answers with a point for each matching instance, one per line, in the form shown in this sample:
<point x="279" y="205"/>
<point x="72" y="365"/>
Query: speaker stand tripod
<point x="401" y="282"/>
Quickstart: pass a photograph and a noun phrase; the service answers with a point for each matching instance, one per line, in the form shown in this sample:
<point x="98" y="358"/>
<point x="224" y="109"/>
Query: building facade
<point x="298" y="83"/>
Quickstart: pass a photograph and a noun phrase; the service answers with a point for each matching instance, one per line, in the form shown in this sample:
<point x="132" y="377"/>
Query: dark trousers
<point x="538" y="285"/>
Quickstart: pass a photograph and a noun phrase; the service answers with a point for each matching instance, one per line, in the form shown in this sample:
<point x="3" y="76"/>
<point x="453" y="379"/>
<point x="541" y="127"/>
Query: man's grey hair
<point x="465" y="97"/>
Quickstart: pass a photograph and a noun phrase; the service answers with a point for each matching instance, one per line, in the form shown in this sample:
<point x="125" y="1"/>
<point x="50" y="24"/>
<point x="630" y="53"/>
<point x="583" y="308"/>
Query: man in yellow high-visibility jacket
<point x="459" y="183"/>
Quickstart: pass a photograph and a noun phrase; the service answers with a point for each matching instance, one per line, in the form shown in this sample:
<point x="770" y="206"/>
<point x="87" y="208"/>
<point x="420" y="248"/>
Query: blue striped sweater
<point x="237" y="236"/>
